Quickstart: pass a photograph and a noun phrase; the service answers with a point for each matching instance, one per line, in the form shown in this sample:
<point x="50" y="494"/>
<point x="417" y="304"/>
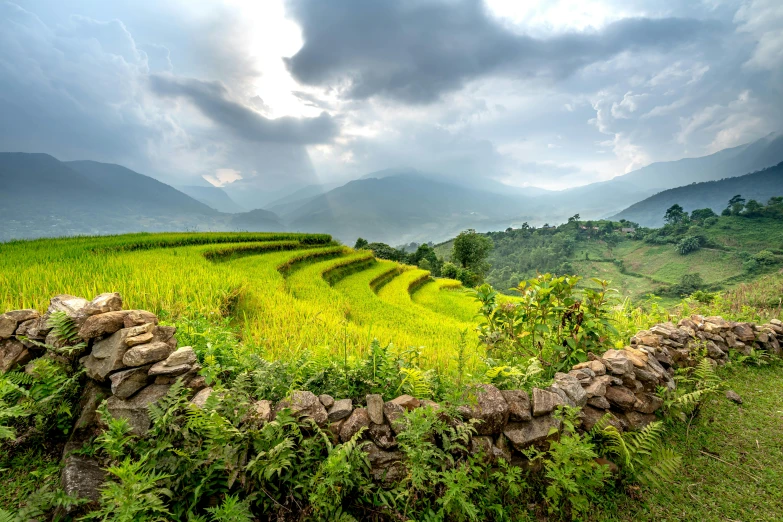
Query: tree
<point x="736" y="204"/>
<point x="449" y="270"/>
<point x="471" y="250"/>
<point x="675" y="215"/>
<point x="688" y="244"/>
<point x="753" y="208"/>
<point x="701" y="214"/>
<point x="361" y="244"/>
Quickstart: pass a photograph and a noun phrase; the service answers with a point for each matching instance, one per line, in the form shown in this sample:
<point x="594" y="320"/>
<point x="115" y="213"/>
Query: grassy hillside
<point x="646" y="262"/>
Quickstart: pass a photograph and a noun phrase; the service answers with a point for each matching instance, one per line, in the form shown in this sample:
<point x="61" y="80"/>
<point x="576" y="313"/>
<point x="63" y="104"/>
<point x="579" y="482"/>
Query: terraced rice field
<point x="287" y="292"/>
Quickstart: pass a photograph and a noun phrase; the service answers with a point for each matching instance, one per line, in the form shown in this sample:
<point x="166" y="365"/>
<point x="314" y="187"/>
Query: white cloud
<point x="223" y="177"/>
<point x="763" y="21"/>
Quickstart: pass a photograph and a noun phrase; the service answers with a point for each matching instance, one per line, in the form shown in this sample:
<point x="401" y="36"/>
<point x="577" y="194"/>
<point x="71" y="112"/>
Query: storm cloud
<point x="414" y="50"/>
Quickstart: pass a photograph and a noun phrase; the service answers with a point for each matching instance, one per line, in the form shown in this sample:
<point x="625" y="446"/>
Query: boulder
<point x="10" y="321"/>
<point x="544" y="402"/>
<point x="140" y="317"/>
<point x="263" y="410"/>
<point x="200" y="399"/>
<point x="523" y="434"/>
<point x="326" y="400"/>
<point x="621" y="397"/>
<point x="69" y="304"/>
<point x="36" y="329"/>
<point x="597" y="367"/>
<point x="647" y="403"/>
<point x="599" y="402"/>
<point x="617" y="362"/>
<point x="597" y="388"/>
<point x="375" y="408"/>
<point x="637" y="421"/>
<point x="82" y="477"/>
<point x="305" y="404"/>
<point x="135" y="409"/>
<point x="146" y="354"/>
<point x="358" y="420"/>
<point x="107" y="356"/>
<point x="395" y="416"/>
<point x="490" y="409"/>
<point x="127" y="382"/>
<point x="102" y="324"/>
<point x="386" y="467"/>
<point x="109" y="302"/>
<point x="590" y="417"/>
<point x="340" y="410"/>
<point x="139" y="339"/>
<point x="733" y="396"/>
<point x="744" y="332"/>
<point x="13" y="354"/>
<point x="178" y="363"/>
<point x="381" y="434"/>
<point x="518" y="405"/>
<point x="407" y="402"/>
<point x="585" y="375"/>
<point x="572" y="388"/>
<point x="564" y="399"/>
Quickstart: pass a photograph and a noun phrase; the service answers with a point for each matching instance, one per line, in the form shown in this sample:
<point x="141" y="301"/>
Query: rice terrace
<point x="391" y="261"/>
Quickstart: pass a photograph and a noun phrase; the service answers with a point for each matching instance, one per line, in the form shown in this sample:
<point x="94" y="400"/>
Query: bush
<point x="765" y="257"/>
<point x="688" y="244"/>
<point x="449" y="270"/>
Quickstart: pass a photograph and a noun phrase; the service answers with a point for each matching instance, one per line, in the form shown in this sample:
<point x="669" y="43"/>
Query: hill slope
<point x="214" y="197"/>
<point x="712" y="194"/>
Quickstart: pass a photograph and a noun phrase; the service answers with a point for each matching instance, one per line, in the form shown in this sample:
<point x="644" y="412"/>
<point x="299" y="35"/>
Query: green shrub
<point x="688" y="244"/>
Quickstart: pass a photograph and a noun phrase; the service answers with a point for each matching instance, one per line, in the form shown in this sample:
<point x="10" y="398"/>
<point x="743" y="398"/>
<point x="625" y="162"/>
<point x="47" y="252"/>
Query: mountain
<point x="41" y="196"/>
<point x="296" y="199"/>
<point x="711" y="194"/>
<point x="136" y="192"/>
<point x="214" y="197"/>
<point x="602" y="199"/>
<point x="407" y="207"/>
<point x="257" y="220"/>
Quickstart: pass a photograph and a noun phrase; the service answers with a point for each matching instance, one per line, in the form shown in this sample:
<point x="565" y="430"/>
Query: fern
<point x="415" y="382"/>
<point x="641" y="455"/>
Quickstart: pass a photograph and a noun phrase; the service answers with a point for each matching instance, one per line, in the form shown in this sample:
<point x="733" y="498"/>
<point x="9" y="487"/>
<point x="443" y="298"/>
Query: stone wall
<point x="131" y="361"/>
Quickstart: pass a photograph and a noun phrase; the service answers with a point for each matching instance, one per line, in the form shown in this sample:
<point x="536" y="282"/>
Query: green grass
<point x="447" y="297"/>
<point x="732" y="459"/>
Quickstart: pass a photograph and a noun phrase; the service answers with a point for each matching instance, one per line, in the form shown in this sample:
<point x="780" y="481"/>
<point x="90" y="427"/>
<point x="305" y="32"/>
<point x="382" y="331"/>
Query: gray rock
<point x="178" y="363"/>
<point x="387" y="467"/>
<point x="621" y="397"/>
<point x="139" y="317"/>
<point x="599" y="402"/>
<point x="69" y="304"/>
<point x="590" y="417"/>
<point x="523" y="434"/>
<point x="102" y="324"/>
<point x="263" y="410"/>
<point x="326" y="400"/>
<point x="407" y="402"/>
<point x="135" y="409"/>
<point x="482" y="445"/>
<point x="637" y="421"/>
<point x="572" y="387"/>
<point x="139" y="339"/>
<point x="82" y="477"/>
<point x="340" y="410"/>
<point x="518" y="405"/>
<point x="490" y="409"/>
<point x="305" y="404"/>
<point x="126" y="383"/>
<point x="200" y="399"/>
<point x="744" y="332"/>
<point x="733" y="396"/>
<point x="395" y="416"/>
<point x="146" y="354"/>
<point x="35" y="329"/>
<point x="375" y="408"/>
<point x="358" y="420"/>
<point x="381" y="434"/>
<point x="564" y="399"/>
<point x="10" y="321"/>
<point x="617" y="362"/>
<point x="597" y="367"/>
<point x="106" y="357"/>
<point x="109" y="302"/>
<point x="13" y="354"/>
<point x="544" y="402"/>
<point x="647" y="403"/>
<point x="714" y="351"/>
<point x="597" y="388"/>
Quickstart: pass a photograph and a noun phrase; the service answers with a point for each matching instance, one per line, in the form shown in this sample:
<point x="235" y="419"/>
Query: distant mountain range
<point x="760" y="186"/>
<point x="42" y="196"/>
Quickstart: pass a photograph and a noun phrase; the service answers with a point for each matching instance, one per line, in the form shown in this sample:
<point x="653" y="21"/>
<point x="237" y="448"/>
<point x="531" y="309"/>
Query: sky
<point x="266" y="96"/>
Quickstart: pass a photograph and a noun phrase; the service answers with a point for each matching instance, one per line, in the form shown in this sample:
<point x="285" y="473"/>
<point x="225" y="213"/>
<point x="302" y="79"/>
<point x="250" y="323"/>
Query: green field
<point x="288" y="293"/>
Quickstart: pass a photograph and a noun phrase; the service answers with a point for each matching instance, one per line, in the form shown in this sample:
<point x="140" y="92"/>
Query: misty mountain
<point x="257" y="220"/>
<point x="760" y="186"/>
<point x="406" y="207"/>
<point x="296" y="199"/>
<point x="43" y="197"/>
<point x="214" y="197"/>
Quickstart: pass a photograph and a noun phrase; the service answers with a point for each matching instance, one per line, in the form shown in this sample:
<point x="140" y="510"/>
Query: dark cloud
<point x="214" y="101"/>
<point x="415" y="50"/>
